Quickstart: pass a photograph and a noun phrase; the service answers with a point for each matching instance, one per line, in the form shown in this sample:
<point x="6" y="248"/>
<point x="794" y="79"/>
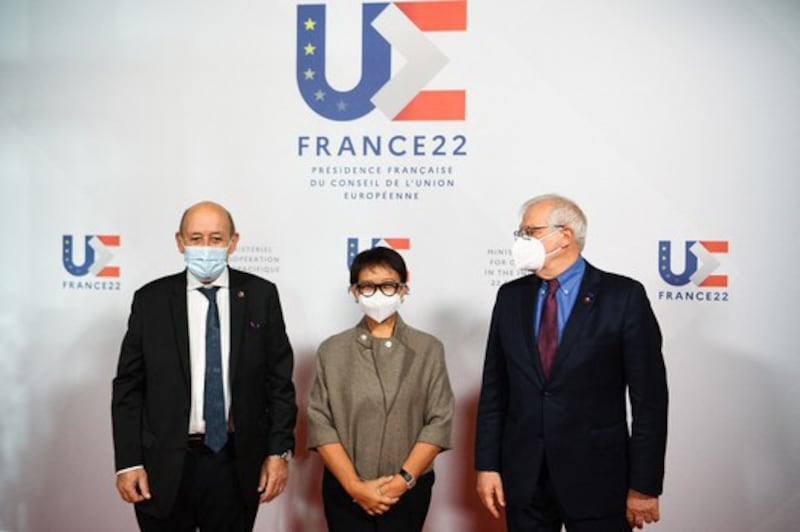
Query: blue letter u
<point x="311" y="74"/>
<point x="66" y="256"/>
<point x="665" y="266"/>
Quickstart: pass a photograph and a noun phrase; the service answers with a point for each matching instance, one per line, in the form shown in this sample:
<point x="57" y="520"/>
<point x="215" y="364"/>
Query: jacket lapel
<point x="587" y="295"/>
<point x="394" y="369"/>
<point x="528" y="300"/>
<point x="238" y="303"/>
<point x="180" y="324"/>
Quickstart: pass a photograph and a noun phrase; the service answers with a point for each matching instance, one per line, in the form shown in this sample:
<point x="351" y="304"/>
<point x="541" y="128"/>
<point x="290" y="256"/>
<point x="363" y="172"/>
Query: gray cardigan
<point x="380" y="396"/>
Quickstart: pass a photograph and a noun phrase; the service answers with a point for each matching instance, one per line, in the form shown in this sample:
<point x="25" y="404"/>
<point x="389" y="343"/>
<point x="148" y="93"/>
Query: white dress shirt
<point x="197" y="308"/>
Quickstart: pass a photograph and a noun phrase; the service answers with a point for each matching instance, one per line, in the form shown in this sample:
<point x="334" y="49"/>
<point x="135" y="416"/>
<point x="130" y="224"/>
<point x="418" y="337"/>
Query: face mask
<point x="529" y="253"/>
<point x="205" y="262"/>
<point x="378" y="306"/>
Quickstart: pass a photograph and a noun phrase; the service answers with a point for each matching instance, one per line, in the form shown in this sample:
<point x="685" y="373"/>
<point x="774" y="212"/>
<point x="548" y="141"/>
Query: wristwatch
<point x="286" y="455"/>
<point x="408" y="477"/>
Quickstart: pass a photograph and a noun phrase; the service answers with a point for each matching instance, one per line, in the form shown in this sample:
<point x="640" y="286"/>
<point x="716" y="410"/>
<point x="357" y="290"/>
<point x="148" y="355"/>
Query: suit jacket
<point x="151" y="392"/>
<point x="380" y="396"/>
<point x="576" y="420"/>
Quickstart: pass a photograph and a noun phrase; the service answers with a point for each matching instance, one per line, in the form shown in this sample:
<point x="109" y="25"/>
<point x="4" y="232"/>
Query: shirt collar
<point x="193" y="283"/>
<point x="365" y="338"/>
<point x="570" y="279"/>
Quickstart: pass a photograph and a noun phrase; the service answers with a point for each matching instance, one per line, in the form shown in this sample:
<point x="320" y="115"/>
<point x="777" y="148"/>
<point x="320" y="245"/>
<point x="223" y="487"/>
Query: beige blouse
<point x="379" y="396"/>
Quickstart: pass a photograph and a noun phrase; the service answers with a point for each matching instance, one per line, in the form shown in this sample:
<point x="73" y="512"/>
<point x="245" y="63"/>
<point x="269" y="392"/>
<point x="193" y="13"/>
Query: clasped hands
<point x="376" y="496"/>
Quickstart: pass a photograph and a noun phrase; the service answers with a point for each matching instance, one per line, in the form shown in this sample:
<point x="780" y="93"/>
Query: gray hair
<point x="565" y="212"/>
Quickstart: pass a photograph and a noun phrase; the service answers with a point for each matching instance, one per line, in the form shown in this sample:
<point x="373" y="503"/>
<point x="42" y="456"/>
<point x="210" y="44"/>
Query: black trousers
<point x="545" y="514"/>
<point x="407" y="515"/>
<point x="209" y="497"/>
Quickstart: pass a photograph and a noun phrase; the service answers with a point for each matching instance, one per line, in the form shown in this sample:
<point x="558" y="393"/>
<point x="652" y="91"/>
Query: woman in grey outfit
<point x="380" y="408"/>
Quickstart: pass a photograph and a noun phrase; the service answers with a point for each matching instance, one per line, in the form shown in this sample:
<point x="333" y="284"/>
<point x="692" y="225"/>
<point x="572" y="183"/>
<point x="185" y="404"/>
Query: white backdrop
<point x="667" y="121"/>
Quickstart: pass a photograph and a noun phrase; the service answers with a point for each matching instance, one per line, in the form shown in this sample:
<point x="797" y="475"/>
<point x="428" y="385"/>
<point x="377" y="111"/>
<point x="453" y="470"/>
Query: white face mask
<point x="206" y="262"/>
<point x="529" y="253"/>
<point x="378" y="306"/>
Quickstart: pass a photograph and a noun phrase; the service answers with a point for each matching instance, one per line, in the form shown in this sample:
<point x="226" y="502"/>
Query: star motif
<point x="342" y="106"/>
<point x="319" y="95"/>
<point x="309" y="74"/>
<point x="310" y="24"/>
<point x="309" y="49"/>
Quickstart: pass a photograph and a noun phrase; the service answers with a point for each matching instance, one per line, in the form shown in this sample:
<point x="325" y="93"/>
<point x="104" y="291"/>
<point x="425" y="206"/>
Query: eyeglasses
<point x="529" y="231"/>
<point x="388" y="288"/>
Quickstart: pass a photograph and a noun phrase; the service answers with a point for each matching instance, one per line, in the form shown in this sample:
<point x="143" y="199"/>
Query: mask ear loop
<point x="406" y="290"/>
<point x="550" y="253"/>
<point x="548" y="235"/>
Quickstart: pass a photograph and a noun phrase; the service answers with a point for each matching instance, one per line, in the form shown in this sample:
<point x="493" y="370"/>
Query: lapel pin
<point x="588" y="298"/>
<point x="240" y="294"/>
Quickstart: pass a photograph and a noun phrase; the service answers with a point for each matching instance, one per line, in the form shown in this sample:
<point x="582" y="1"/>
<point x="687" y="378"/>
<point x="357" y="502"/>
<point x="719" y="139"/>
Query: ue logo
<point x="704" y="250"/>
<point x="395" y="243"/>
<point x="96" y="256"/>
<point x="385" y="27"/>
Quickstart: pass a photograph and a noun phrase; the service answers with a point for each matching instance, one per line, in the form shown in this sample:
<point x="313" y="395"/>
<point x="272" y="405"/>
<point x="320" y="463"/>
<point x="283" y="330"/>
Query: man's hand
<point x="490" y="490"/>
<point x="132" y="485"/>
<point x="370" y="496"/>
<point x="642" y="509"/>
<point x="274" y="475"/>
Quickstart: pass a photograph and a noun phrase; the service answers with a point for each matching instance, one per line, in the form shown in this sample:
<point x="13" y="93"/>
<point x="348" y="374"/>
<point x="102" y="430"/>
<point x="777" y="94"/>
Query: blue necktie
<point x="214" y="396"/>
<point x="548" y="328"/>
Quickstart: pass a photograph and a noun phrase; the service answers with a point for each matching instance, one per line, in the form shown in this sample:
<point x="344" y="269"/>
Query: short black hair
<point x="378" y="256"/>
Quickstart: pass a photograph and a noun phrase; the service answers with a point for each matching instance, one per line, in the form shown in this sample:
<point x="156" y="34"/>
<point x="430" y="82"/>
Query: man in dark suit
<point x="203" y="404"/>
<point x="553" y="444"/>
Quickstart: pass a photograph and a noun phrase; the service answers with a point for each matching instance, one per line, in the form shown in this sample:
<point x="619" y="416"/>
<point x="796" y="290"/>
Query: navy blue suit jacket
<point x="576" y="420"/>
<point x="151" y="392"/>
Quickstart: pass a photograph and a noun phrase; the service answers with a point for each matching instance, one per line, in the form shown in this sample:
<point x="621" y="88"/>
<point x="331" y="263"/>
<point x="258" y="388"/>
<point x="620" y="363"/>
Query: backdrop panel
<point x="675" y="125"/>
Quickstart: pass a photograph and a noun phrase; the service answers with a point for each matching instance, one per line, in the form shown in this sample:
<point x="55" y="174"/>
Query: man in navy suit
<point x="203" y="404"/>
<point x="565" y="344"/>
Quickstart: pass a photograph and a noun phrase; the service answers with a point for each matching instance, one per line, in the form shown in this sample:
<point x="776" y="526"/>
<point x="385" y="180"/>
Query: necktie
<point x="213" y="396"/>
<point x="548" y="328"/>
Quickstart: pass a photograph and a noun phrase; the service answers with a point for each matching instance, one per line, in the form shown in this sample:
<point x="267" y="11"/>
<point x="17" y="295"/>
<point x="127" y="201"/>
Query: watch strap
<point x="408" y="478"/>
